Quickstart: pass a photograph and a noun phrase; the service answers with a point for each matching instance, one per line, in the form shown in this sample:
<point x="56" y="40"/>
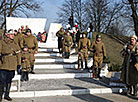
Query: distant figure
<point x="60" y="35"/>
<point x="67" y="44"/>
<point x="43" y="37"/>
<point x="71" y="21"/>
<point x="89" y="35"/>
<point x="77" y="36"/>
<point x="26" y="27"/>
<point x="22" y="29"/>
<point x="39" y="36"/>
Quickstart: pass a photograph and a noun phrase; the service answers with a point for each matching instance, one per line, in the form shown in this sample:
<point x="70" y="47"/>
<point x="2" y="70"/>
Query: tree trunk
<point x="135" y="16"/>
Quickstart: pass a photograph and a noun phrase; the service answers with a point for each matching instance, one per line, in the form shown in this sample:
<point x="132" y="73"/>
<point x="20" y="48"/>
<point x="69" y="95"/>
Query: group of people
<point x="129" y="73"/>
<point x="85" y="46"/>
<point x="42" y="37"/>
<point x="17" y="49"/>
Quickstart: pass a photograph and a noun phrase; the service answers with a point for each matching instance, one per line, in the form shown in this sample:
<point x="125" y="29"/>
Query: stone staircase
<point x="58" y="76"/>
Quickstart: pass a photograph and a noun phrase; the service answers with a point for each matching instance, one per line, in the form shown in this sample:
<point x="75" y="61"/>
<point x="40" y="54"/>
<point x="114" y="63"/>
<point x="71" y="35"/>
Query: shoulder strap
<point x="9" y="46"/>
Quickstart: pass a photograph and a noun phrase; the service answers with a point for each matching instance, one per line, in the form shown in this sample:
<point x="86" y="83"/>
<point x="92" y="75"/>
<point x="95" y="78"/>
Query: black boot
<point x="86" y="67"/>
<point x="96" y="72"/>
<point x="26" y="76"/>
<point x="7" y="91"/>
<point x="135" y="90"/>
<point x="129" y="89"/>
<point x="1" y="92"/>
<point x="22" y="76"/>
<point x="68" y="54"/>
<point x="81" y="64"/>
<point x="32" y="70"/>
<point x="65" y="54"/>
<point x="99" y="71"/>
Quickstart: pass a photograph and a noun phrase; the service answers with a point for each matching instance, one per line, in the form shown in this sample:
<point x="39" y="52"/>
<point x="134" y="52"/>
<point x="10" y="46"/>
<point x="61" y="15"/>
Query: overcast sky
<point x="50" y="7"/>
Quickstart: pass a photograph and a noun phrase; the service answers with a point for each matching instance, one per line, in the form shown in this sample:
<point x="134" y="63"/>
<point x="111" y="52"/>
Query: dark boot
<point x="26" y="76"/>
<point x="86" y="67"/>
<point x="22" y="76"/>
<point x="1" y="92"/>
<point x="99" y="71"/>
<point x="65" y="54"/>
<point x="96" y="72"/>
<point x="129" y="89"/>
<point x="68" y="55"/>
<point x="7" y="91"/>
<point x="135" y="90"/>
<point x="81" y="64"/>
<point x="32" y="70"/>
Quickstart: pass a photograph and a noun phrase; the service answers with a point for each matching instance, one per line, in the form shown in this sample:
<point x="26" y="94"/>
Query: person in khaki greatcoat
<point x="9" y="52"/>
<point x="32" y="44"/>
<point x="83" y="51"/>
<point x="67" y="44"/>
<point x="129" y="74"/>
<point x="25" y="63"/>
<point x="98" y="48"/>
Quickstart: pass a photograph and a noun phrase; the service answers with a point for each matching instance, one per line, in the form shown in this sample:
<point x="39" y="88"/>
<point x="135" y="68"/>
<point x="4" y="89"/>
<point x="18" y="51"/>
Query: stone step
<point x="55" y="66"/>
<point x="44" y="93"/>
<point x="48" y="50"/>
<point x="59" y="71"/>
<point x="49" y="54"/>
<point x="56" y="60"/>
<point x="61" y="84"/>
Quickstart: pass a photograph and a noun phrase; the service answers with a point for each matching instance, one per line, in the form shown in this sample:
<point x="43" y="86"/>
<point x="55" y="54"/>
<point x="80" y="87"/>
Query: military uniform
<point x="129" y="74"/>
<point x="83" y="48"/>
<point x="9" y="51"/>
<point x="26" y="65"/>
<point x="60" y="35"/>
<point x="32" y="44"/>
<point x="67" y="44"/>
<point x="99" y="51"/>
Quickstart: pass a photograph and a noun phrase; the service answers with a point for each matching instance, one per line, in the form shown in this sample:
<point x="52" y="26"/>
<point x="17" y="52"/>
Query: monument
<point x="52" y="38"/>
<point x="35" y="24"/>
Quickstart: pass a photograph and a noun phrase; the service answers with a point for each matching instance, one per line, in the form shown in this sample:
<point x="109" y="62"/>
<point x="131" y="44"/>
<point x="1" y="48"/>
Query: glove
<point x="19" y="69"/>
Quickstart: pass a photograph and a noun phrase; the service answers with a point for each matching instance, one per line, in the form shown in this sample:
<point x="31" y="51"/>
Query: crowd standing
<point x="17" y="49"/>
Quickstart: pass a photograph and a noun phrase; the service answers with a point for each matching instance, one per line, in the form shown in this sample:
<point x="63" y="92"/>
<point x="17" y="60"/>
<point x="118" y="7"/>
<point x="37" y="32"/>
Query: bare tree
<point x="17" y="8"/>
<point x="73" y="8"/>
<point x="102" y="13"/>
<point x="132" y="5"/>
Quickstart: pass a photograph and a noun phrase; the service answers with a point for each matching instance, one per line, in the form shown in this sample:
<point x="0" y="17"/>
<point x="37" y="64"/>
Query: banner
<point x="35" y="24"/>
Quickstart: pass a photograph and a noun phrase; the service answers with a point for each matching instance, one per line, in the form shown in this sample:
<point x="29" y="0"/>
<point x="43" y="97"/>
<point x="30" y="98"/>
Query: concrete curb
<point x="56" y="66"/>
<point x="55" y="60"/>
<point x="64" y="92"/>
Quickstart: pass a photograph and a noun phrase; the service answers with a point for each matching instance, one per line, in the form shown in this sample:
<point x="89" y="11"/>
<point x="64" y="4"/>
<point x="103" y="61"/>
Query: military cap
<point x="98" y="36"/>
<point x="134" y="36"/>
<point x="28" y="30"/>
<point x="11" y="31"/>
